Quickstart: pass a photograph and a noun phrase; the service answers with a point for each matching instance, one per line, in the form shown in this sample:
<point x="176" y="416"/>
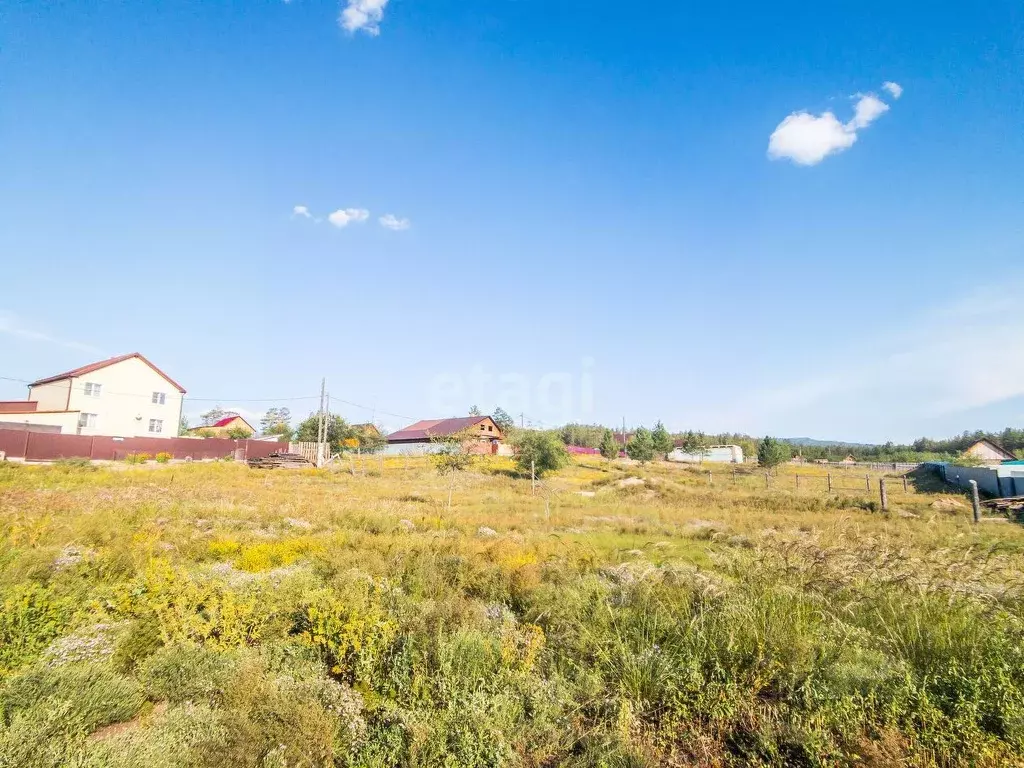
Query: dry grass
<point x="669" y="620"/>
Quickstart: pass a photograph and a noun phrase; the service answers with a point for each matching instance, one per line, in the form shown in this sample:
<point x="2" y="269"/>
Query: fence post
<point x="830" y="482"/>
<point x="798" y="481"/>
<point x="975" y="502"/>
<point x="767" y="480"/>
<point x="884" y="494"/>
<point x="867" y="482"/>
<point x="533" y="476"/>
<point x="734" y="474"/>
<point x="904" y="483"/>
<point x="711" y="480"/>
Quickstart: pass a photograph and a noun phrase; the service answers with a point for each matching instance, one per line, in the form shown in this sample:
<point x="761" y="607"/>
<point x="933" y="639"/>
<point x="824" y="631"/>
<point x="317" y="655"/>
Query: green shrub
<point x="140" y="641"/>
<point x="31" y="617"/>
<point x="186" y="672"/>
<point x="48" y="735"/>
<point x="187" y="736"/>
<point x="542" y="452"/>
<point x="97" y="695"/>
<point x="163" y="457"/>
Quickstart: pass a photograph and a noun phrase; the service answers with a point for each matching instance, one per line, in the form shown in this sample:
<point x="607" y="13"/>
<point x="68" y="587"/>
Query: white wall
<point x="124" y="405"/>
<point x="51" y="397"/>
<point x="66" y="420"/>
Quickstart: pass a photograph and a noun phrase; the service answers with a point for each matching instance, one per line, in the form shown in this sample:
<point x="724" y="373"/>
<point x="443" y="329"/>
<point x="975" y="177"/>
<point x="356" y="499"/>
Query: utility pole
<point x="521" y="422"/>
<point x="321" y="425"/>
<point x="623" y="433"/>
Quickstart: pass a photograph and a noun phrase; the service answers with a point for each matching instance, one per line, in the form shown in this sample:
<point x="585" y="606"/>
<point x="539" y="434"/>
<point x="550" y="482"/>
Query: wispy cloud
<point x="342" y="217"/>
<point x="11" y="326"/>
<point x="807" y="139"/>
<point x="951" y="359"/>
<point x="364" y="15"/>
<point x="895" y="89"/>
<point x="303" y="211"/>
<point x="392" y="222"/>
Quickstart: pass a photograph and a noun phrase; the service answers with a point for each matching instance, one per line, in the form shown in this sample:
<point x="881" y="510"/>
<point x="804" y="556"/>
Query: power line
<point x="190" y="399"/>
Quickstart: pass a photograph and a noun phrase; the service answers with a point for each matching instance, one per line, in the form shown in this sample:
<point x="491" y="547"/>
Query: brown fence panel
<point x="14" y="442"/>
<point x="47" y="447"/>
<point x="39" y="446"/>
<point x="260" y="449"/>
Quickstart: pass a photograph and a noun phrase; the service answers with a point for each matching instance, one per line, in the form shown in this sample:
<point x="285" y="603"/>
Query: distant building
<point x="723" y="454"/>
<point x="221" y="428"/>
<point x="990" y="452"/>
<point x="850" y="459"/>
<point x="419" y="438"/>
<point x="125" y="396"/>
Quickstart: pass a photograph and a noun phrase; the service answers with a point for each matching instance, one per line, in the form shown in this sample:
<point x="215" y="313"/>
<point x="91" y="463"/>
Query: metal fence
<point x="40" y="446"/>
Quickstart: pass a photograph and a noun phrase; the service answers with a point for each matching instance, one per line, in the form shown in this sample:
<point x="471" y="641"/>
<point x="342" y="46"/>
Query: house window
<point x="490" y="428"/>
<point x="481" y="427"/>
<point x="87" y="420"/>
<point x="156" y="425"/>
<point x="92" y="390"/>
<point x="159" y="398"/>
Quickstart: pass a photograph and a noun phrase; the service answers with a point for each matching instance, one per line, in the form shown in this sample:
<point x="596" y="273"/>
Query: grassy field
<point x="211" y="615"/>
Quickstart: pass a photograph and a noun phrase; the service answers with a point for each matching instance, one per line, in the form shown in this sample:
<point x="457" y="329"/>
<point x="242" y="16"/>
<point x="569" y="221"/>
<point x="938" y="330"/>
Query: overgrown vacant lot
<point x="211" y="615"/>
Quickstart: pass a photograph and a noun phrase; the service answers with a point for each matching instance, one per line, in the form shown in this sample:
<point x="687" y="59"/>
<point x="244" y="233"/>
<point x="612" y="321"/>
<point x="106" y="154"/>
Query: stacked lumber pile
<point x="1008" y="504"/>
<point x="281" y="460"/>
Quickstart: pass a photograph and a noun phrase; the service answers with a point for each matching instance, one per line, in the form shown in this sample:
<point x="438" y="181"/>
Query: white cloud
<point x="344" y="216"/>
<point x="868" y="109"/>
<point x="10" y="325"/>
<point x="808" y="139"/>
<point x="390" y="221"/>
<point x="894" y="89"/>
<point x="363" y="14"/>
<point x="301" y="210"/>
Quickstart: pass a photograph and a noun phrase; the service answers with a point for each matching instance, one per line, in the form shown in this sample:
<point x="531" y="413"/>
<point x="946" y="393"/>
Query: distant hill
<point x="810" y="441"/>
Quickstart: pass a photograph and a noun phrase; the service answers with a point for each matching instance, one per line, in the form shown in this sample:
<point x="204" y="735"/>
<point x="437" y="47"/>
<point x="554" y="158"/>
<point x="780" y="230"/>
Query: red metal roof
<point x="222" y="423"/>
<point x="428" y="428"/>
<point x="74" y="374"/>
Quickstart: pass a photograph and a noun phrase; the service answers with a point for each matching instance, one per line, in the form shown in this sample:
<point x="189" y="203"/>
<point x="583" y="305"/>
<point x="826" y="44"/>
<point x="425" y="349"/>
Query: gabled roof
<point x="428" y="428"/>
<point x="223" y="422"/>
<point x="996" y="446"/>
<point x="74" y="374"/>
<point x="367" y="429"/>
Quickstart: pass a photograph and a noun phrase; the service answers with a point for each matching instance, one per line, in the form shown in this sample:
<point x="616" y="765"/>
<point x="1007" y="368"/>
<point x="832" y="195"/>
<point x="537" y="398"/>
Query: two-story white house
<point x="124" y="396"/>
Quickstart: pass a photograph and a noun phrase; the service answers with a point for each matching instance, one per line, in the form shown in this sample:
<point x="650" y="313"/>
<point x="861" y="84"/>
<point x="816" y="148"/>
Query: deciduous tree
<point x="541" y="452"/>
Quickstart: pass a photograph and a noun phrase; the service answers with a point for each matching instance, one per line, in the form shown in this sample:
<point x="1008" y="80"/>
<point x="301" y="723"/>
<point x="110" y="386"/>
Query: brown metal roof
<point x="428" y="428"/>
<point x="74" y="374"/>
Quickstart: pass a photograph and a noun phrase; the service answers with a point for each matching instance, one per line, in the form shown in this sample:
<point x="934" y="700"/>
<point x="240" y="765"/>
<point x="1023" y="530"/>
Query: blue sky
<point x="587" y="219"/>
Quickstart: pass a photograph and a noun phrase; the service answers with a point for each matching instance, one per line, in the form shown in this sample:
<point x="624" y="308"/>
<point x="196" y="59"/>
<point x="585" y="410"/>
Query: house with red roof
<point x="480" y="432"/>
<point x="124" y="396"/>
<point x="231" y="424"/>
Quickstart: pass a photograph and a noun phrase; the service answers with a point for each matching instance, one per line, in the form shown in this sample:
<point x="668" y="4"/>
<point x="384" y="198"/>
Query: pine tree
<point x="662" y="440"/>
<point x="771" y="453"/>
<point x="609" y="445"/>
<point x="695" y="444"/>
<point x="641" y="447"/>
<point x="503" y="420"/>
